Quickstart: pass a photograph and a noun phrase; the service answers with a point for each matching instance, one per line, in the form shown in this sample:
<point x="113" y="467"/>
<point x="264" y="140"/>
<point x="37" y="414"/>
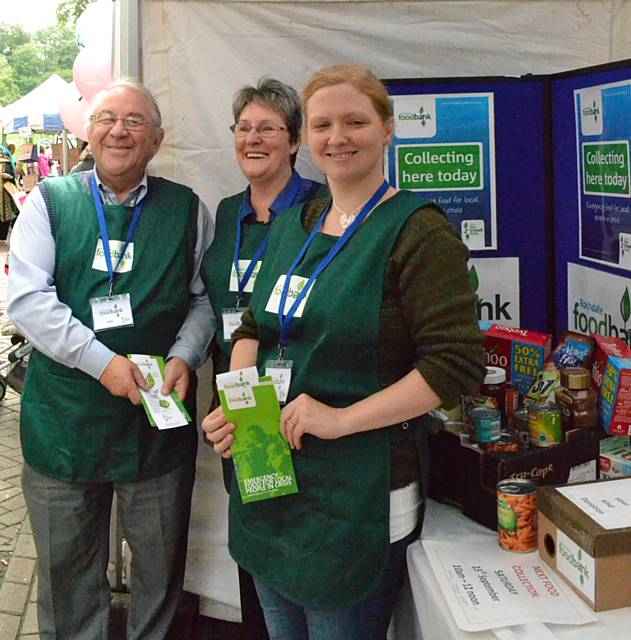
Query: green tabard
<point x="217" y="266"/>
<point x="72" y="428"/>
<point x="327" y="546"/>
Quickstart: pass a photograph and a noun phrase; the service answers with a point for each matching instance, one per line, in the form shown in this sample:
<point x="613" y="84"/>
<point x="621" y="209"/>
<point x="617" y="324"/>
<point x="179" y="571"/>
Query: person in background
<point x="43" y="163"/>
<point x="124" y="245"/>
<point x="8" y="208"/>
<point x="266" y="128"/>
<point x="86" y="161"/>
<point x="387" y="333"/>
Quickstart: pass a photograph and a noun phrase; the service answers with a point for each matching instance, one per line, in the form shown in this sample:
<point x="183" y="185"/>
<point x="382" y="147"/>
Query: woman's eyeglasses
<point x="265" y="130"/>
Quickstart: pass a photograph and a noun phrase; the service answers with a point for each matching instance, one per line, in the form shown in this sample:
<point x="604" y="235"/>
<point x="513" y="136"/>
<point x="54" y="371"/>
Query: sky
<point x="32" y="15"/>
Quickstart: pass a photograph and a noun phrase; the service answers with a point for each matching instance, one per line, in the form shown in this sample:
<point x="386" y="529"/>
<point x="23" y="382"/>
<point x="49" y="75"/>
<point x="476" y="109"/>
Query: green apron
<point x="217" y="266"/>
<point x="327" y="546"/>
<point x="72" y="428"/>
<point x="217" y="263"/>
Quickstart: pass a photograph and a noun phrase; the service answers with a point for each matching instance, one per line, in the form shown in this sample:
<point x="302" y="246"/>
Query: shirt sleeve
<point x="438" y="305"/>
<point x="194" y="338"/>
<point x="32" y="301"/>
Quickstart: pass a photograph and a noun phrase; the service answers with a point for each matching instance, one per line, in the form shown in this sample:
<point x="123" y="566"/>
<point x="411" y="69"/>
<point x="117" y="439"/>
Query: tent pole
<point x="64" y="153"/>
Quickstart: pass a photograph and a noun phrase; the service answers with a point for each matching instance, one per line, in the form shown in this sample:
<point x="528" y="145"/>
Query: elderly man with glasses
<point x="106" y="263"/>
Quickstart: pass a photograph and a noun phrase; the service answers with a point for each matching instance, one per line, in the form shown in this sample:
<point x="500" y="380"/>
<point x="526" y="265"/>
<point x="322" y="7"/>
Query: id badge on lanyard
<point x="231" y="322"/>
<point x="280" y="372"/>
<point x="112" y="311"/>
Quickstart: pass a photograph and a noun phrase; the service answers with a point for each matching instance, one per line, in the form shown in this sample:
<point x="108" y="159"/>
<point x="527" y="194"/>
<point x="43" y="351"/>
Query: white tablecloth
<point x="433" y="618"/>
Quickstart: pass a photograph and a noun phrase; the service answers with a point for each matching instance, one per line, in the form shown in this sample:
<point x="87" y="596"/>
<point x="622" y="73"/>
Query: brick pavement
<point x="18" y="616"/>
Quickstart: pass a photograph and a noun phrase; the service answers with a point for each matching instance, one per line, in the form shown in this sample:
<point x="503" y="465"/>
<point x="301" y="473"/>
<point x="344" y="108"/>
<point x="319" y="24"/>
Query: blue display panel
<point x="591" y="127"/>
<point x="479" y="149"/>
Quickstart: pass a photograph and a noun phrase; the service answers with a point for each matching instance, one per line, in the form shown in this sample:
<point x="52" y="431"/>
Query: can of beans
<point x="517" y="515"/>
<point x="488" y="424"/>
<point x="545" y="425"/>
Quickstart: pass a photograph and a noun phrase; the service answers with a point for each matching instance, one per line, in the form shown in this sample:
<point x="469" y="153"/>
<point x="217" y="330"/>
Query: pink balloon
<point x="92" y="72"/>
<point x="74" y="112"/>
<point x="94" y="26"/>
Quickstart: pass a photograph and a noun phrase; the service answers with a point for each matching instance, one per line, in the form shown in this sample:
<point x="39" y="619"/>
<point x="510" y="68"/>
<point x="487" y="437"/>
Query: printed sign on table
<point x="444" y="148"/>
<point x="486" y="588"/>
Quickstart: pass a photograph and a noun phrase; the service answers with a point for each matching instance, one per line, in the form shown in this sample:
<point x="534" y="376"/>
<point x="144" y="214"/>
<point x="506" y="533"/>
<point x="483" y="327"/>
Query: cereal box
<point x="614" y="400"/>
<point x="521" y="352"/>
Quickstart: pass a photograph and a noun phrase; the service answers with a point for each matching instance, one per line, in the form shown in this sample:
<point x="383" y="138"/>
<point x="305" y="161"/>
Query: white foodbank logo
<point x="415" y="116"/>
<point x="591" y="110"/>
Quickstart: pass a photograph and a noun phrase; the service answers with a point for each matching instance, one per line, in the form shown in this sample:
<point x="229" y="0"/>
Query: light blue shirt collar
<point x="134" y="197"/>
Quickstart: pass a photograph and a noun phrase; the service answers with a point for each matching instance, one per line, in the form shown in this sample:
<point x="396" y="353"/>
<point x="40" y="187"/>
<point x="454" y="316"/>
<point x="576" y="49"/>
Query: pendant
<point x="346" y="220"/>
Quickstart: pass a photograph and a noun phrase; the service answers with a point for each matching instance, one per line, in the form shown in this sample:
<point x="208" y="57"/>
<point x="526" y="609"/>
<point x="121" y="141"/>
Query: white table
<point x="433" y="618"/>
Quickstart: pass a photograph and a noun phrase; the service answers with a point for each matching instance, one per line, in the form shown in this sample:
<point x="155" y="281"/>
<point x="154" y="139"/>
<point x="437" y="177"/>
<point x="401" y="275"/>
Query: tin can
<point x="517" y="515"/>
<point x="545" y="425"/>
<point x="456" y="427"/>
<point x="488" y="424"/>
<point x="511" y="404"/>
<point x="508" y="443"/>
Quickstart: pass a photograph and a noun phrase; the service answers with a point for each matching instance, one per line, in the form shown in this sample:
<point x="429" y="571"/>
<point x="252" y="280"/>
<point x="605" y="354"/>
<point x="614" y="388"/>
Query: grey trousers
<point x="70" y="523"/>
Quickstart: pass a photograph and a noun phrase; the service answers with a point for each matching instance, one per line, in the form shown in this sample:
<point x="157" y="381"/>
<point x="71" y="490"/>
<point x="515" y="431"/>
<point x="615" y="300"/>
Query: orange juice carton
<point x="521" y="352"/>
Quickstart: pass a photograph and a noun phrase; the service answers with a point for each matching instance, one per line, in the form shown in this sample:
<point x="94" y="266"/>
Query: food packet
<point x="574" y="350"/>
<point x="545" y="384"/>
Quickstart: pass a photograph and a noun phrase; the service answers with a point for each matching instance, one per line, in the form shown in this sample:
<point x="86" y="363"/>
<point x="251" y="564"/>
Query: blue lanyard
<point x="100" y="214"/>
<point x="289" y="198"/>
<point x="286" y="320"/>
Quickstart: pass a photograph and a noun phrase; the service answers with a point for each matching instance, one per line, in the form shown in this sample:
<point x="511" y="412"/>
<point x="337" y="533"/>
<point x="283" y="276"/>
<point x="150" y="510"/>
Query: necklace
<point x="346" y="218"/>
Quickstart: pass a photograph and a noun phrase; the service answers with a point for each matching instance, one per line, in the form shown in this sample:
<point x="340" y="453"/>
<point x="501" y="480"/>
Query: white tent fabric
<point x="196" y="54"/>
<point x="38" y="109"/>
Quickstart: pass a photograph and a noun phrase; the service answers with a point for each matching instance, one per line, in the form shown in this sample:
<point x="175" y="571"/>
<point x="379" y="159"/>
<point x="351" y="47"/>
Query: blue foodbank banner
<point x="444" y="148"/>
<point x="603" y="133"/>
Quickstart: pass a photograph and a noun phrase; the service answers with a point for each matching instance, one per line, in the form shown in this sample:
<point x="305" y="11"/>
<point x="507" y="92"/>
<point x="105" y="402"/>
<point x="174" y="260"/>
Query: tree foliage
<point x="68" y="11"/>
<point x="26" y="60"/>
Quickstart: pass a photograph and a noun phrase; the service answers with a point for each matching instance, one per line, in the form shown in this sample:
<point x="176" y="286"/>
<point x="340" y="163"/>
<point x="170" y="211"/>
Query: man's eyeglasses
<point x="265" y="130"/>
<point x="132" y="123"/>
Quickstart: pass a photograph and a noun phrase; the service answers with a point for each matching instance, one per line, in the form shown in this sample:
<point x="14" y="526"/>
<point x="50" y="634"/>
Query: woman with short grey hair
<point x="266" y="128"/>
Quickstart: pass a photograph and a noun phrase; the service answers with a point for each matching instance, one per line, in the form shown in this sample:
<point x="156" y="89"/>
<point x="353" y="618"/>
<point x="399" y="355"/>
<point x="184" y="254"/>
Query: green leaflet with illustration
<point x="262" y="457"/>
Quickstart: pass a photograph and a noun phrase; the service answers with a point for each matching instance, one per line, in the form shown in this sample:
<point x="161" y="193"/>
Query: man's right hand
<point x="122" y="378"/>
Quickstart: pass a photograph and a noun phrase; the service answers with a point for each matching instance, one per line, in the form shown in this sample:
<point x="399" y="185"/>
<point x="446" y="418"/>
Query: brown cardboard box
<point x="594" y="561"/>
<point x="28" y="182"/>
<point x="468" y="477"/>
<point x="27" y="153"/>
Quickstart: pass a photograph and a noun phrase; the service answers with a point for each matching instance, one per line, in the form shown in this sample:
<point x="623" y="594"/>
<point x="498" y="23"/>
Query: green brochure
<point x="261" y="455"/>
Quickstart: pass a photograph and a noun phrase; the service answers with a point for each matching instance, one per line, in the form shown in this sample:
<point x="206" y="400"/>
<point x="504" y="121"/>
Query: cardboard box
<point x="593" y="560"/>
<point x="615" y="457"/>
<point x="27" y="153"/>
<point x="520" y="352"/>
<point x="606" y="346"/>
<point x="468" y="477"/>
<point x="614" y="398"/>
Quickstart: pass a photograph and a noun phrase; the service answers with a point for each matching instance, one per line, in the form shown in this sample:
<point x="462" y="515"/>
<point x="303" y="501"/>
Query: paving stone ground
<point x="18" y="615"/>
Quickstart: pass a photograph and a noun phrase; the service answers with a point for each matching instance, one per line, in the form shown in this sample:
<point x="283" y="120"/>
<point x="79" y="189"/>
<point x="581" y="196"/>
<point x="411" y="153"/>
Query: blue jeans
<point x="367" y="620"/>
